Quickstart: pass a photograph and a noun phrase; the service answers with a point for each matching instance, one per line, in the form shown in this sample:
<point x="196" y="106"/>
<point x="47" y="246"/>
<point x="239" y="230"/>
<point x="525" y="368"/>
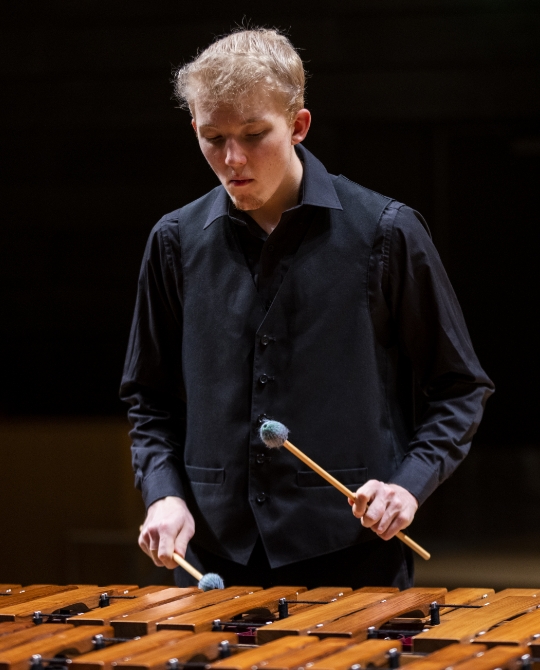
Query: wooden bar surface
<point x="103" y="659"/>
<point x="519" y="631"/>
<point x="447" y="657"/>
<point x="321" y="593"/>
<point x="505" y="658"/>
<point x="31" y="633"/>
<point x="301" y="623"/>
<point x="146" y="590"/>
<point x="205" y="645"/>
<point x="460" y="596"/>
<point x="253" y="658"/>
<point x="505" y="593"/>
<point x="355" y="625"/>
<point x="496" y="597"/>
<point x="86" y="596"/>
<point x="23" y="589"/>
<point x="465" y="596"/>
<point x="103" y="615"/>
<point x="201" y="620"/>
<point x="73" y="641"/>
<point x="143" y="623"/>
<point x="469" y="623"/>
<point x="296" y="658"/>
<point x="368" y="653"/>
<point x="9" y="627"/>
<point x="28" y="594"/>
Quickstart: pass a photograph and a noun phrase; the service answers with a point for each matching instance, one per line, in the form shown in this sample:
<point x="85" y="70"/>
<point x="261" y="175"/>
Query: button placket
<point x="260" y="461"/>
<point x="266" y="339"/>
<point x="262" y="458"/>
<point x="262" y="418"/>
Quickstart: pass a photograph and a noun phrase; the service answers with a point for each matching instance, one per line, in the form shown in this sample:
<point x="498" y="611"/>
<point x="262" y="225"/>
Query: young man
<point x="289" y="293"/>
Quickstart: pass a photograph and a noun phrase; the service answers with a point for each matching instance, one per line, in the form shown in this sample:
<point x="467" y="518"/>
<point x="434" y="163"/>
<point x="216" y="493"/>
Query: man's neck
<point x="269" y="215"/>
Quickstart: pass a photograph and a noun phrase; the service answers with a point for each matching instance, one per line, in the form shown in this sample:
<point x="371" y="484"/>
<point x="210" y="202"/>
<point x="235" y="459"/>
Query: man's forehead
<point x="251" y="109"/>
<point x="212" y="120"/>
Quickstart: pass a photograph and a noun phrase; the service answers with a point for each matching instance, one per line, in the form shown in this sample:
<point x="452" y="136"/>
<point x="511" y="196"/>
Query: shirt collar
<point x="318" y="188"/>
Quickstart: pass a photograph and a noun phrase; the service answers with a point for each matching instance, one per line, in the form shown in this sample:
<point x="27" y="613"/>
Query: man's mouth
<point x="240" y="182"/>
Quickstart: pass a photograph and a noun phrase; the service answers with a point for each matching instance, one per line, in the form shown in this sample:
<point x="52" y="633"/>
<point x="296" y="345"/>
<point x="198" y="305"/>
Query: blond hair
<point x="233" y="66"/>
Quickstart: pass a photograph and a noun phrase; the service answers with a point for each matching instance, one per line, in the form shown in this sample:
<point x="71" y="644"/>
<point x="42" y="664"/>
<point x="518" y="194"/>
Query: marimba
<point x="123" y="627"/>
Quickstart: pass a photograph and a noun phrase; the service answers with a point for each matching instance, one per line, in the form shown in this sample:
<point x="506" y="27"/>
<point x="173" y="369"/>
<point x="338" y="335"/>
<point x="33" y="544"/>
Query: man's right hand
<point x="168" y="528"/>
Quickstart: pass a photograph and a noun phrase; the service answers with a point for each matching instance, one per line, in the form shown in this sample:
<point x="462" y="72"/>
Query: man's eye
<point x="256" y="134"/>
<point x="214" y="139"/>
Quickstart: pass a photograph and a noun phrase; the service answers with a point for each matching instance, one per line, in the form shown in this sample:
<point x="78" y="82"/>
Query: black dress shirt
<point x="412" y="305"/>
<point x="270" y="256"/>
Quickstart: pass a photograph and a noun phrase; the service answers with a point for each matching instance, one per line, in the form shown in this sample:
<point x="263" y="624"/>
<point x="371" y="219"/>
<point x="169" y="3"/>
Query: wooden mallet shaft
<point x="181" y="562"/>
<point x="346" y="492"/>
<point x="187" y="566"/>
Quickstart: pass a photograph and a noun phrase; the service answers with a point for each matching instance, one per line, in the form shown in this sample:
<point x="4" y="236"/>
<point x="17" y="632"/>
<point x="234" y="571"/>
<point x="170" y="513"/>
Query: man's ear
<point x="194" y="126"/>
<point x="300" y="126"/>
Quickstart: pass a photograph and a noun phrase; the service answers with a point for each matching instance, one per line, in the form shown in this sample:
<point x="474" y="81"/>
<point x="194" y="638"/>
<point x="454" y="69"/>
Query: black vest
<point x="317" y="368"/>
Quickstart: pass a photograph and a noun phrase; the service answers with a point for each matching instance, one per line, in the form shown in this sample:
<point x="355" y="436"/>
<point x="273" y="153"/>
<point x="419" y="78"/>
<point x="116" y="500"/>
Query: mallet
<point x="206" y="582"/>
<point x="274" y="435"/>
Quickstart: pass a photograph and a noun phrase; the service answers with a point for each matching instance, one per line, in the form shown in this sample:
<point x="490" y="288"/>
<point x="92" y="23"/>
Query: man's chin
<point x="247" y="203"/>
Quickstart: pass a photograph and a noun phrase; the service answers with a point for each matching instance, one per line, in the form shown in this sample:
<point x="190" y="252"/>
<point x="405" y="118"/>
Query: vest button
<point x="260" y="458"/>
<point x="265" y="340"/>
<point x="262" y="418"/>
<point x="263" y="379"/>
<point x="261" y="498"/>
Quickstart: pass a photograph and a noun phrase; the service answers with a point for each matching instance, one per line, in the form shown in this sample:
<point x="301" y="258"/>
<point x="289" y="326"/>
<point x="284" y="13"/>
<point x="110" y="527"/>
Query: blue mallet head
<point x="211" y="581"/>
<point x="273" y="434"/>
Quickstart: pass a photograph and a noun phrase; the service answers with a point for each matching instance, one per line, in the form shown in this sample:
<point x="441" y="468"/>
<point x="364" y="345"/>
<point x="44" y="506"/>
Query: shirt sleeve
<point x="152" y="378"/>
<point x="415" y="309"/>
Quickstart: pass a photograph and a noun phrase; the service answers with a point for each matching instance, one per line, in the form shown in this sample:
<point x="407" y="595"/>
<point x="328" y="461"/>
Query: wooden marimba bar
<point x="123" y="627"/>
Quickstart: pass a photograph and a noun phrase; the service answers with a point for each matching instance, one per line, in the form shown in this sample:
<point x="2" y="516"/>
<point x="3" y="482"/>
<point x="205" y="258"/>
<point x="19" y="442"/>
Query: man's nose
<point x="234" y="156"/>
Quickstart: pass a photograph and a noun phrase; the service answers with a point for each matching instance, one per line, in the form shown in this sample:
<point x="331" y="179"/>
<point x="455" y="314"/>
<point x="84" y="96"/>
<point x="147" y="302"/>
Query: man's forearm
<point x="157" y="435"/>
<point x="443" y="439"/>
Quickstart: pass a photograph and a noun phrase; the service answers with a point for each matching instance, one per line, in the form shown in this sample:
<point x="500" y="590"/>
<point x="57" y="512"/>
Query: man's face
<point x="250" y="149"/>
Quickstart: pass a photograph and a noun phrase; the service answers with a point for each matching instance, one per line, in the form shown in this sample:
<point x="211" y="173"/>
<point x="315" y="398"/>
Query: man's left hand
<point x="385" y="508"/>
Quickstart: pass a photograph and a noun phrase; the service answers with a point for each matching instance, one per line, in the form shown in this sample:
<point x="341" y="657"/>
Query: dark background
<point x="433" y="102"/>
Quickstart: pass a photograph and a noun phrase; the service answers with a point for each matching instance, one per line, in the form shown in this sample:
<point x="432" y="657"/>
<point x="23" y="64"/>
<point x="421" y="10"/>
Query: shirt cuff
<point x="417" y="477"/>
<point x="161" y="484"/>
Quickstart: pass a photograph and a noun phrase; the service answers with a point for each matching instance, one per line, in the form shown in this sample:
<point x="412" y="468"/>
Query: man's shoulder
<point x="389" y="213"/>
<point x="194" y="213"/>
<point x="362" y="207"/>
<point x="346" y="187"/>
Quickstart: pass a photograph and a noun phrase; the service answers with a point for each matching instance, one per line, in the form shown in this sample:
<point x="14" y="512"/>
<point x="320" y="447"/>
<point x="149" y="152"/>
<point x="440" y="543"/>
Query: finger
<point x="149" y="543"/>
<point x="399" y="522"/>
<point x="183" y="538"/>
<point x="392" y="510"/>
<point x="166" y="547"/>
<point x="381" y="526"/>
<point x="364" y="495"/>
<point x="155" y="558"/>
<point x="374" y="513"/>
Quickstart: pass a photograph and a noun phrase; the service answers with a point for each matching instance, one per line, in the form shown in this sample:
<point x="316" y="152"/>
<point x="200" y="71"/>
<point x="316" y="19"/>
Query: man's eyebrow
<point x="254" y="119"/>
